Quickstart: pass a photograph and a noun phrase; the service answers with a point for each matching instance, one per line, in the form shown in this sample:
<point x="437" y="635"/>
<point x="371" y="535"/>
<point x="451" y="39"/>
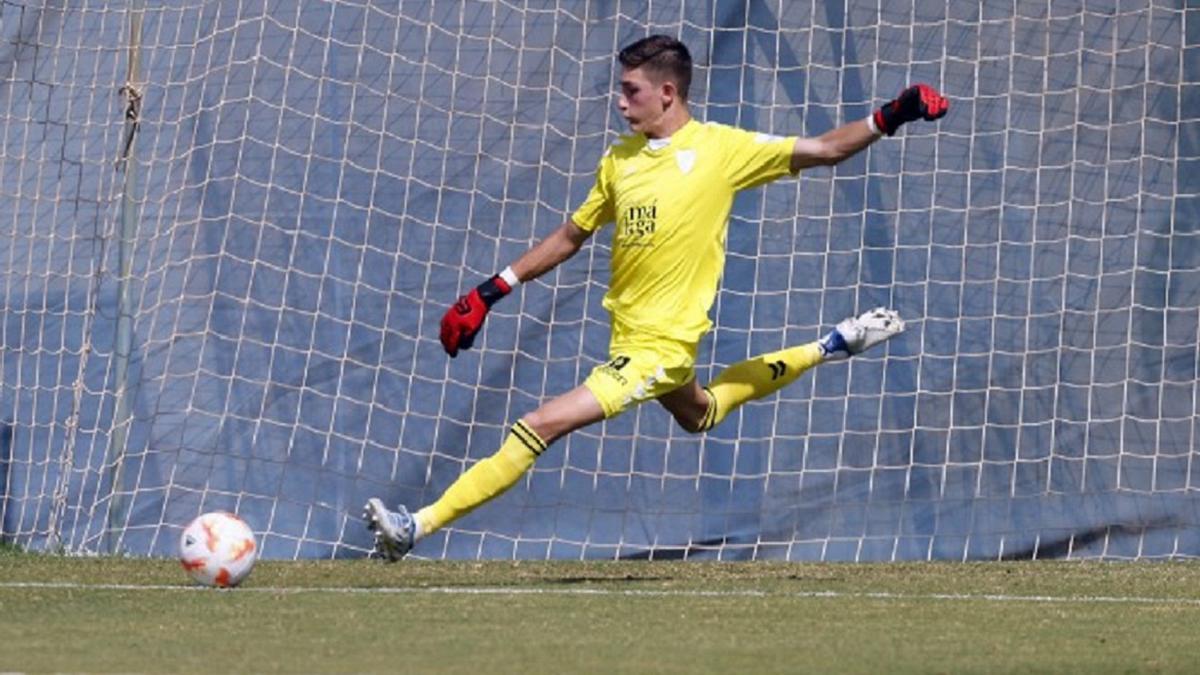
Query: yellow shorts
<point x="639" y="369"/>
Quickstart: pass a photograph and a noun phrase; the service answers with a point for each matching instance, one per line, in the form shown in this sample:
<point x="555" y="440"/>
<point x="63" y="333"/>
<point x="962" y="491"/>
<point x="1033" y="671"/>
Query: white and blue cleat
<point x="857" y="334"/>
<point x="394" y="530"/>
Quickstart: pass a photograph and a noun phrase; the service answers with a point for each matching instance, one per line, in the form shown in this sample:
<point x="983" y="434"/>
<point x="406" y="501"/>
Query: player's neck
<point x="672" y="120"/>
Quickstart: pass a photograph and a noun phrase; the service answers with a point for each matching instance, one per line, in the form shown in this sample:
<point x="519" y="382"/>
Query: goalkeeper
<point x="668" y="188"/>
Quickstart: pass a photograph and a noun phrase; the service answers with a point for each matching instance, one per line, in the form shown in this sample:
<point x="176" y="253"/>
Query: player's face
<point x="641" y="101"/>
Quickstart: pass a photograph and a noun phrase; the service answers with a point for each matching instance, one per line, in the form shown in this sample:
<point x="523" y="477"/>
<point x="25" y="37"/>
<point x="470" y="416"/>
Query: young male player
<point x="668" y="187"/>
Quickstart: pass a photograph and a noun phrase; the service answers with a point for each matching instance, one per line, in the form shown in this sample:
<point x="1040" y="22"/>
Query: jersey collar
<point x="657" y="145"/>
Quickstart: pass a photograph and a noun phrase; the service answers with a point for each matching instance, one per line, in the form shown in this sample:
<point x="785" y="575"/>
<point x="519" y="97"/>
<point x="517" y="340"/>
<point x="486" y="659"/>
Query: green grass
<point x="602" y="617"/>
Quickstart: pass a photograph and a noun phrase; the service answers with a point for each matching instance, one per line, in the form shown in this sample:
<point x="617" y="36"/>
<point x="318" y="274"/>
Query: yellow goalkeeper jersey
<point x="670" y="206"/>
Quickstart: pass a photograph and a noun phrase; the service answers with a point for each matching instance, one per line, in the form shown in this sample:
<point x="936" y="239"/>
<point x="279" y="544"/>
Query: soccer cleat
<point x="393" y="530"/>
<point x="858" y="334"/>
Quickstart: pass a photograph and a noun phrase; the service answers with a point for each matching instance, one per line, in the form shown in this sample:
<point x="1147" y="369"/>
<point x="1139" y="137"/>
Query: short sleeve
<point x="752" y="159"/>
<point x="598" y="208"/>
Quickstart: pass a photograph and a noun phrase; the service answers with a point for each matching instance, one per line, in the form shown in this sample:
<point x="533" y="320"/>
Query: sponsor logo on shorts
<point x="613" y="369"/>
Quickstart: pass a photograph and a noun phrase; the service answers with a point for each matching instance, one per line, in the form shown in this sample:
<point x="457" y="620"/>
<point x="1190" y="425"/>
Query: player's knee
<point x="548" y="426"/>
<point x="564" y="414"/>
<point x="539" y="422"/>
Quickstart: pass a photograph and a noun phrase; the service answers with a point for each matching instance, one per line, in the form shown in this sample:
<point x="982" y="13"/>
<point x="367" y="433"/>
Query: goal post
<point x="317" y="181"/>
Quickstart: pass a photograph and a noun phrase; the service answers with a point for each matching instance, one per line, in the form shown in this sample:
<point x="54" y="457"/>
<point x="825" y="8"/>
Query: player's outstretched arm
<point x="918" y="102"/>
<point x="462" y="322"/>
<point x="551" y="251"/>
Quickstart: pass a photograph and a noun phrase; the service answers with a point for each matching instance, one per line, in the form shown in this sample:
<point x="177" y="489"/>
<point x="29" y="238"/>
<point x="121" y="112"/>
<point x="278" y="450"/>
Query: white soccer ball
<point x="218" y="549"/>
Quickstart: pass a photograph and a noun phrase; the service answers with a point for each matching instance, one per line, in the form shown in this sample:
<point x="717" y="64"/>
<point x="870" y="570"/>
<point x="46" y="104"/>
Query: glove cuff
<point x="881" y="119"/>
<point x="493" y="289"/>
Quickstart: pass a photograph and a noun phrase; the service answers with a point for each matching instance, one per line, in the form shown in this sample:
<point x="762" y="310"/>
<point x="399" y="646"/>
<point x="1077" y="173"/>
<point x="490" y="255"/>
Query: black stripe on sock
<point x="529" y="438"/>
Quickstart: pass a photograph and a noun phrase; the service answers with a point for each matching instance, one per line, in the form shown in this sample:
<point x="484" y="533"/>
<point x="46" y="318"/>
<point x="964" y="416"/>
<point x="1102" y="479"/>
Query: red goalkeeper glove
<point x="918" y="102"/>
<point x="462" y="322"/>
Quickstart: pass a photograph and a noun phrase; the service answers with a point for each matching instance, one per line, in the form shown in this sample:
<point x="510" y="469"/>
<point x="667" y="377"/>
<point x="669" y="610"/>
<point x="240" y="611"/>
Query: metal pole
<point x="123" y="345"/>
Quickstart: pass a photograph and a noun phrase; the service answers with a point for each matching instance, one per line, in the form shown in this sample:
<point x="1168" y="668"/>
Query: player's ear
<point x="669" y="92"/>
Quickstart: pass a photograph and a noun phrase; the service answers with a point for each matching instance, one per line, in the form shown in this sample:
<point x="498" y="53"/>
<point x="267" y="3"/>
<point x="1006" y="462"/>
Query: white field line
<point x="500" y="590"/>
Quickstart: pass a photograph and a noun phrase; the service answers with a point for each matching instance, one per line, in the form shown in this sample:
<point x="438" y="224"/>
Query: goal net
<point x="229" y="228"/>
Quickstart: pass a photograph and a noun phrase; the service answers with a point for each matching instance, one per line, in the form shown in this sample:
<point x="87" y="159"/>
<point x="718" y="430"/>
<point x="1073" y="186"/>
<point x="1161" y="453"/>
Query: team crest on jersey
<point x="686" y="160"/>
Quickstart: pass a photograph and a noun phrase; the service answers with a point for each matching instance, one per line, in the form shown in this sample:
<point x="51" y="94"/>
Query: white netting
<point x="312" y="183"/>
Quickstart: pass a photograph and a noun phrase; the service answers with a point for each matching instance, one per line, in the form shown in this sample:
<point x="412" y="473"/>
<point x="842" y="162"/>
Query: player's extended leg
<point x="397" y="531"/>
<point x="699" y="408"/>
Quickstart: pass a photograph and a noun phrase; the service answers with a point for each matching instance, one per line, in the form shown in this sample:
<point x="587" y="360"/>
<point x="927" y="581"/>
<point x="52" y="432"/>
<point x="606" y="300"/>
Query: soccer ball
<point x="218" y="549"/>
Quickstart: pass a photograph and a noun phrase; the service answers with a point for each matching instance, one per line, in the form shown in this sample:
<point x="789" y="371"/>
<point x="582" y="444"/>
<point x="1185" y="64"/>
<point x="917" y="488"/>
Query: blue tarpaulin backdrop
<point x="312" y="183"/>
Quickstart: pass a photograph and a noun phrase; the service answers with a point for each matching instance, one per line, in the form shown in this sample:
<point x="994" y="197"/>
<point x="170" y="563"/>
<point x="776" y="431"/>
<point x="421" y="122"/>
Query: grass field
<point x="95" y="615"/>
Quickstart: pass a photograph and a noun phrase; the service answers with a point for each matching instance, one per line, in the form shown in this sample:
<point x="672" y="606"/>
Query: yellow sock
<point x="755" y="378"/>
<point x="488" y="478"/>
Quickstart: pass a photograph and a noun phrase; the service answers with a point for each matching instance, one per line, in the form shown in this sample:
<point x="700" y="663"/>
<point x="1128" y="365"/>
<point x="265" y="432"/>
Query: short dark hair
<point x="663" y="56"/>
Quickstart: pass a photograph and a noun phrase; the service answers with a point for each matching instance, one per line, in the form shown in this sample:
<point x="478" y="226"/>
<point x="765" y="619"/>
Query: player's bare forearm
<point x="915" y="102"/>
<point x="551" y="251"/>
<point x="463" y="321"/>
<point x="832" y="146"/>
